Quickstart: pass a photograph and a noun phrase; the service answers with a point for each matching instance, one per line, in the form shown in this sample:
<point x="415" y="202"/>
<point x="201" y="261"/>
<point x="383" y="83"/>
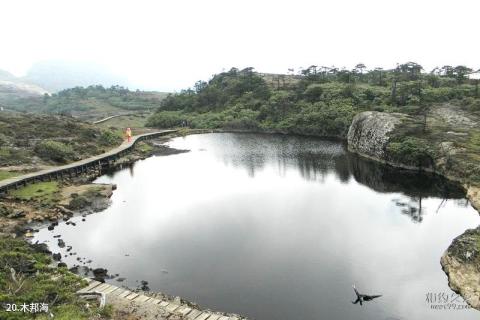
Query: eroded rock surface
<point x="461" y="262"/>
<point x="369" y="133"/>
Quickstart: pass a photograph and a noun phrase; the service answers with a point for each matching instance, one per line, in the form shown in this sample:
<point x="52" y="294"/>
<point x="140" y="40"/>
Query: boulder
<point x="368" y="134"/>
<point x="461" y="262"/>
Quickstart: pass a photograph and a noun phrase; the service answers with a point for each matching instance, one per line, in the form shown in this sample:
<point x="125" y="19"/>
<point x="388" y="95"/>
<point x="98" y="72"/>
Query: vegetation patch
<point x="55" y="151"/>
<point x="27" y="277"/>
<point x="44" y="192"/>
<point x="8" y="174"/>
<point x="35" y="140"/>
<point x="411" y="151"/>
<point x="319" y="101"/>
<point x="143" y="147"/>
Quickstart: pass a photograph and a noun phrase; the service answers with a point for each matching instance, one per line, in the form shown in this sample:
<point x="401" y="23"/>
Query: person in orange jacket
<point x="128" y="133"/>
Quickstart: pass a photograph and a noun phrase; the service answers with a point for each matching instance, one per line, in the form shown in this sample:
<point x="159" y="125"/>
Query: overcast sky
<point x="168" y="45"/>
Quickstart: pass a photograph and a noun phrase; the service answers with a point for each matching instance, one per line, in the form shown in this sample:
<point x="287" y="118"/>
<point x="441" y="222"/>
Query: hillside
<point x="320" y="101"/>
<point x="29" y="142"/>
<point x="58" y="75"/>
<point x="89" y="104"/>
<point x="13" y="89"/>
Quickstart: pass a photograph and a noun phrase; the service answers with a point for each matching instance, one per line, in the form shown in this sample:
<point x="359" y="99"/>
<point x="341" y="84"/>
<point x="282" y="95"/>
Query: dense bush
<point x="411" y="151"/>
<point x="166" y="119"/>
<point x="109" y="138"/>
<point x="54" y="150"/>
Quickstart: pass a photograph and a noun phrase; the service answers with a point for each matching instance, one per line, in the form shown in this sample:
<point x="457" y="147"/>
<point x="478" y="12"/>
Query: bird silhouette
<point x="363" y="297"/>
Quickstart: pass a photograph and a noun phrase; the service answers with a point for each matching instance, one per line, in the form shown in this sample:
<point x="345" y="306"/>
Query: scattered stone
<point x="17" y="214"/>
<point x="61" y="265"/>
<point x="144" y="285"/>
<point x="100" y="274"/>
<point x="57" y="256"/>
<point x="41" y="248"/>
<point x="61" y="243"/>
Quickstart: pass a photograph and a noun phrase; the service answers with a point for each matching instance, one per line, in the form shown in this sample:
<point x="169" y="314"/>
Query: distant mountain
<point x="7" y="76"/>
<point x="56" y="75"/>
<point x="13" y="89"/>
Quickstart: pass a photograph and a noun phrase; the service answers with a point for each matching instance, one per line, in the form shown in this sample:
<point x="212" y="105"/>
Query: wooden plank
<point x="163" y="304"/>
<point x="214" y="317"/>
<point x="112" y="288"/>
<point x="223" y="318"/>
<point x="102" y="287"/>
<point x="172" y="307"/>
<point x="118" y="292"/>
<point x="154" y="301"/>
<point x="124" y="294"/>
<point x="132" y="296"/>
<point x="184" y="310"/>
<point x="203" y="316"/>
<point x="141" y="298"/>
<point x="233" y="318"/>
<point x="91" y="286"/>
<point x="193" y="314"/>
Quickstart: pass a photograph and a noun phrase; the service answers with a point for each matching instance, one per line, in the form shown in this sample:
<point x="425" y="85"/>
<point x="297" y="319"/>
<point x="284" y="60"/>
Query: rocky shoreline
<point x="21" y="218"/>
<point x="369" y="136"/>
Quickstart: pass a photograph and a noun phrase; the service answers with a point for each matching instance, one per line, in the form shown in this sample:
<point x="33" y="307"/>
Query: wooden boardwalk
<point x="79" y="167"/>
<point x="111" y="117"/>
<point x="149" y="307"/>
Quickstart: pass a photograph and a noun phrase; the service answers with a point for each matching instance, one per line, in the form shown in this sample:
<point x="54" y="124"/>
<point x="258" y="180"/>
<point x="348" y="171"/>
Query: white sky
<point x="168" y="45"/>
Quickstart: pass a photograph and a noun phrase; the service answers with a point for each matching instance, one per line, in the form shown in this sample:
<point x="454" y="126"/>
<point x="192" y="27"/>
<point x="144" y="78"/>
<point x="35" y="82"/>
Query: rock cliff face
<point x="369" y="133"/>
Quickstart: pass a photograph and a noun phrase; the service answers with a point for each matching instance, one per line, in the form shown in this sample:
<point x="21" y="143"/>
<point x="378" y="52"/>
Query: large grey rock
<point x="461" y="262"/>
<point x="369" y="133"/>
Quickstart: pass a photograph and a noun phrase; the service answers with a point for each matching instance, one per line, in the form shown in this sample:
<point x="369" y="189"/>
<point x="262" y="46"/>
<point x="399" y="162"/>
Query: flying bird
<point x="363" y="297"/>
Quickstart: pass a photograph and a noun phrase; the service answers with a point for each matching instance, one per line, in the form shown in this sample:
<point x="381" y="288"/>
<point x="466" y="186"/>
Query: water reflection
<point x="276" y="228"/>
<point x="315" y="160"/>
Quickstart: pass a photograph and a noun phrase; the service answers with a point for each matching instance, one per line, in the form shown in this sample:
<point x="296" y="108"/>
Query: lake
<point x="277" y="227"/>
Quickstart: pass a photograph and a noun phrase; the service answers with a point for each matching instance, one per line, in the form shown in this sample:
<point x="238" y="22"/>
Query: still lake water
<point x="276" y="227"/>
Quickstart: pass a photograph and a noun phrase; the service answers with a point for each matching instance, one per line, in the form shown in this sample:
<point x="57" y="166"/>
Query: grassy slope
<point x="21" y="134"/>
<point x="84" y="103"/>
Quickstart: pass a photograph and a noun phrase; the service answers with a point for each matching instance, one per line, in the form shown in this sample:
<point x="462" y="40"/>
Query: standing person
<point x="128" y="133"/>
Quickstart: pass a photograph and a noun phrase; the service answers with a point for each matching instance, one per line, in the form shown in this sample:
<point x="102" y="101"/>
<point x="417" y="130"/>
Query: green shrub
<point x="54" y="150"/>
<point x="109" y="138"/>
<point x="166" y="119"/>
<point x="79" y="203"/>
<point x="411" y="151"/>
